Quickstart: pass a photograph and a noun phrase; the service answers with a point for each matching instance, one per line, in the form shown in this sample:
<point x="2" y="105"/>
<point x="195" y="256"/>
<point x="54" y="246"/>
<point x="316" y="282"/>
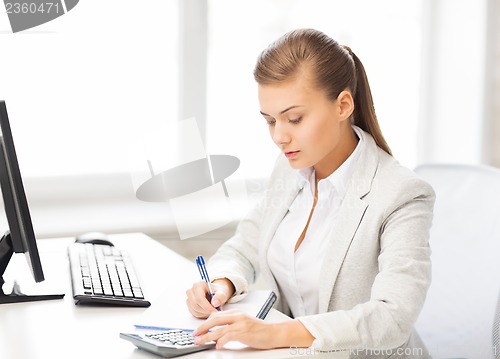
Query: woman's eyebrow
<point x="282" y="112"/>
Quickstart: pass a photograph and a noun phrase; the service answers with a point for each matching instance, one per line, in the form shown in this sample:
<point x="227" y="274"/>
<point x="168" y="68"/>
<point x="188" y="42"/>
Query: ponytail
<point x="364" y="111"/>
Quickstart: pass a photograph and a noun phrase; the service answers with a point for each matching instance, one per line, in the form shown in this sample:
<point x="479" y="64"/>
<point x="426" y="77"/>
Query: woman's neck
<point x="345" y="148"/>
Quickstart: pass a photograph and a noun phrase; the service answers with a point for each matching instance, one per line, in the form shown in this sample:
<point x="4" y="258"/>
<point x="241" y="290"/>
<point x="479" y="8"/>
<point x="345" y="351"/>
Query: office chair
<point x="458" y="315"/>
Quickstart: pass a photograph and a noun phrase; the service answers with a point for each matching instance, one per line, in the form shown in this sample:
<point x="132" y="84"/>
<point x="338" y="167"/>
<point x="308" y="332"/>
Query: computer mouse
<point x="94" y="238"/>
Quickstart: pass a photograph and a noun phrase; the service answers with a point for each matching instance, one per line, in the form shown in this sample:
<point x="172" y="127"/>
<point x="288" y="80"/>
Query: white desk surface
<point x="61" y="329"/>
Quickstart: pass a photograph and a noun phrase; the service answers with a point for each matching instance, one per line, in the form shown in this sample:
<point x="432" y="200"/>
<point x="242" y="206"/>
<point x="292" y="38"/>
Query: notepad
<point x="170" y="311"/>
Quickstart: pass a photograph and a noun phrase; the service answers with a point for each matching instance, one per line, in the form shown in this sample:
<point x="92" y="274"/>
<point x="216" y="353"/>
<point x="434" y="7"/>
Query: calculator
<point x="166" y="343"/>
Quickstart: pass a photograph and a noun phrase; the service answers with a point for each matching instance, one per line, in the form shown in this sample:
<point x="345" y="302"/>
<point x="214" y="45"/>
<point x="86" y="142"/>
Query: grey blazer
<point x="378" y="268"/>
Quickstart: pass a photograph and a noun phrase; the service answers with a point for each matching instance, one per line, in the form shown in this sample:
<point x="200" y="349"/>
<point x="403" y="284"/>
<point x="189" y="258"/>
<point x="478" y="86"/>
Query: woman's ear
<point x="346" y="105"/>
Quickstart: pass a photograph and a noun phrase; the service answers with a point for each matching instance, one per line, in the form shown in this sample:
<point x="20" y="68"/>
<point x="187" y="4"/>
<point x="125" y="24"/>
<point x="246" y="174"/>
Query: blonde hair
<point x="334" y="68"/>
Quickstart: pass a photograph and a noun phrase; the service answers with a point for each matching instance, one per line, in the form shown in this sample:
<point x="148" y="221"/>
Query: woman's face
<point x="310" y="129"/>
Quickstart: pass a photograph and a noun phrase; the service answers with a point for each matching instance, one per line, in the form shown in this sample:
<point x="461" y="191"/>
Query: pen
<point x="200" y="263"/>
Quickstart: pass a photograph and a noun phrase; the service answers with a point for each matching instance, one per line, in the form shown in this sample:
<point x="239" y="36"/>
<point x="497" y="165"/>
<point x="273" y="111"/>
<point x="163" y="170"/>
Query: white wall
<point x="452" y="92"/>
<point x="491" y="133"/>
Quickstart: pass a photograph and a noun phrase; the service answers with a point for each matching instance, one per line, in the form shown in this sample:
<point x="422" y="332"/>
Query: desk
<point x="61" y="329"/>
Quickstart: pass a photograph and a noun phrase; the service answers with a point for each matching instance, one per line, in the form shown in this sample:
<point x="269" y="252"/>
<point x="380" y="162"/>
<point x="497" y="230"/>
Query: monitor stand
<point x="16" y="296"/>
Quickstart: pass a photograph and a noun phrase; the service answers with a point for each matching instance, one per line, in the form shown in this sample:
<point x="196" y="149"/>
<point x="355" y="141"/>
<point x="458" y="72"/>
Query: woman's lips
<point x="291" y="154"/>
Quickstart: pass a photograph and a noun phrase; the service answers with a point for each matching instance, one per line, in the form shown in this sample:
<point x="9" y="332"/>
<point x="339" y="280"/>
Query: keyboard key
<point x="128" y="293"/>
<point x="137" y="293"/>
<point x="98" y="291"/>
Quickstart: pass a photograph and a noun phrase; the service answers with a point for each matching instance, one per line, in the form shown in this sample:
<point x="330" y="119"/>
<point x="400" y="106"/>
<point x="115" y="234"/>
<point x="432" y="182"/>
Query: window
<point x="81" y="88"/>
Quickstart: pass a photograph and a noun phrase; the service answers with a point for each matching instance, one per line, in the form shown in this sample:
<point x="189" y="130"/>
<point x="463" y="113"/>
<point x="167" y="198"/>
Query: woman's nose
<point x="280" y="135"/>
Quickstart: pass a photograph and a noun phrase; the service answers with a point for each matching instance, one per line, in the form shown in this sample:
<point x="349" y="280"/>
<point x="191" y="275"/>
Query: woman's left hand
<point x="238" y="326"/>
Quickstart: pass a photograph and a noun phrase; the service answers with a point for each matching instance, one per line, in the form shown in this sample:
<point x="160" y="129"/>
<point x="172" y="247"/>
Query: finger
<point x="198" y="312"/>
<point x="218" y="299"/>
<point x="201" y="339"/>
<point x="213" y="335"/>
<point x="197" y="302"/>
<point x="202" y="295"/>
<point x="200" y="309"/>
<point x="196" y="291"/>
<point x="223" y="340"/>
<point x="220" y="336"/>
<point x="217" y="319"/>
<point x="221" y="295"/>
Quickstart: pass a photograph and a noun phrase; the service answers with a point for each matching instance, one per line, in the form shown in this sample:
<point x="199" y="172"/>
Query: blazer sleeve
<point x="399" y="289"/>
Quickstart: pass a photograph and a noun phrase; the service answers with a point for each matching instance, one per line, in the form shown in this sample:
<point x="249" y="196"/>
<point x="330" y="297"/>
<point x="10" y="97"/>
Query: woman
<point x="342" y="232"/>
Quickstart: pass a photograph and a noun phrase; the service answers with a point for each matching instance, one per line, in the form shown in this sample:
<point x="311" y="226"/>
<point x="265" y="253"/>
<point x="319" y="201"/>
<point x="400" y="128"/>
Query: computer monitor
<point x="20" y="238"/>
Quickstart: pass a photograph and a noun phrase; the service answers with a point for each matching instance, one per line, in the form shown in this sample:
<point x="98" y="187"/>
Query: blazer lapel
<point x="340" y="238"/>
<point x="349" y="218"/>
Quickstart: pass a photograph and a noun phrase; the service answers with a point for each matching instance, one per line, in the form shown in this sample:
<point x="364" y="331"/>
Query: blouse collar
<point x="339" y="179"/>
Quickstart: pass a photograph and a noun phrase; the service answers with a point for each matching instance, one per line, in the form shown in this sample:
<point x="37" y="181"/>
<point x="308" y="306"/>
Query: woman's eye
<point x="271" y="122"/>
<point x="295" y="120"/>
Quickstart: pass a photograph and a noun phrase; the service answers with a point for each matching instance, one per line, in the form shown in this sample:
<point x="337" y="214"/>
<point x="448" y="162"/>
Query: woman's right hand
<point x="198" y="297"/>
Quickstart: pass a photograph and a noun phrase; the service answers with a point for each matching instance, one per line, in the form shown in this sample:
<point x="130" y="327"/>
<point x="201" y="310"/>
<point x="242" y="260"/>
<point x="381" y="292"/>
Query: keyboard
<point x="104" y="274"/>
<point x="168" y="344"/>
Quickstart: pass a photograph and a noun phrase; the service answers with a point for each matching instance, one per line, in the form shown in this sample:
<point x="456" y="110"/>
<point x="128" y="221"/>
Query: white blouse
<point x="297" y="273"/>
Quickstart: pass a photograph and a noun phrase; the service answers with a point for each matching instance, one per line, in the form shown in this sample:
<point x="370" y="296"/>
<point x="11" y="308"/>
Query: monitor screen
<point x="20" y="237"/>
